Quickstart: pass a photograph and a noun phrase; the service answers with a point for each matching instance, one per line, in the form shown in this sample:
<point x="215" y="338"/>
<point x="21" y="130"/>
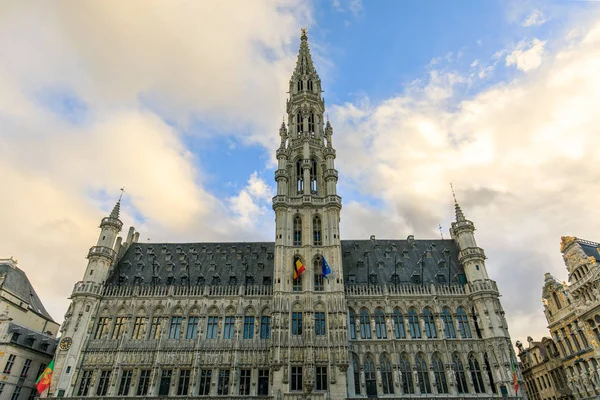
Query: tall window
<point x="299" y="177"/>
<point x="138" y="328"/>
<point x="297" y="284"/>
<point x="143" y="383"/>
<point x="430" y="330"/>
<point x="407" y="376"/>
<point x="263" y="382"/>
<point x="223" y="384"/>
<point x="296" y="323"/>
<point x="309" y="85"/>
<point x="476" y="374"/>
<point x="297" y="231"/>
<point x="365" y="324"/>
<point x="165" y="382"/>
<point x="16" y="393"/>
<point x="248" y="327"/>
<point x="265" y="327"/>
<point x="311" y="123"/>
<point x="192" y="328"/>
<point x="380" y="328"/>
<point x="300" y="85"/>
<point x="448" y="324"/>
<point x="352" y="324"/>
<point x="459" y="372"/>
<point x="413" y="324"/>
<point x="228" y="327"/>
<point x="101" y="328"/>
<point x="25" y="369"/>
<point x="399" y="330"/>
<point x="370" y="378"/>
<point x="321" y="375"/>
<point x="440" y="376"/>
<point x="320" y="324"/>
<point x="356" y="370"/>
<point x="296" y="381"/>
<point x="211" y="327"/>
<point x="125" y="382"/>
<point x="204" y="386"/>
<point x="463" y="323"/>
<point x="9" y="363"/>
<point x="119" y="328"/>
<point x="317" y="240"/>
<point x="245" y="382"/>
<point x="299" y="123"/>
<point x="556" y="300"/>
<point x="103" y="383"/>
<point x="318" y="279"/>
<point x="184" y="382"/>
<point x="386" y="375"/>
<point x="423" y="374"/>
<point x="313" y="176"/>
<point x="175" y="330"/>
<point x="86" y="380"/>
<point x="155" y="328"/>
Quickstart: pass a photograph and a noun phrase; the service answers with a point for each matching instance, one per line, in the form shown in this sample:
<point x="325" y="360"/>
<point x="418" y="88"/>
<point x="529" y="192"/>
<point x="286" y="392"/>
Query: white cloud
<point x="354" y="7"/>
<point x="252" y="202"/>
<point x="527" y="56"/>
<point x="536" y="18"/>
<point x="521" y="155"/>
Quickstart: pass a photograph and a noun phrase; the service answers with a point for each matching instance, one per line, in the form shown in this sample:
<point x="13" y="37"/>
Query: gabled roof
<point x="15" y="281"/>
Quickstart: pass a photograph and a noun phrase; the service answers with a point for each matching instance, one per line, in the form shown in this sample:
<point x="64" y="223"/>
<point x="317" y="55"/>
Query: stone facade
<point x="392" y="318"/>
<point x="543" y="371"/>
<point x="27" y="334"/>
<point x="573" y="313"/>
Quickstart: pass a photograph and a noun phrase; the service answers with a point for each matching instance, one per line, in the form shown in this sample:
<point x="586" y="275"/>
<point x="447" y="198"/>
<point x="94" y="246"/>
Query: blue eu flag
<point x="325" y="269"/>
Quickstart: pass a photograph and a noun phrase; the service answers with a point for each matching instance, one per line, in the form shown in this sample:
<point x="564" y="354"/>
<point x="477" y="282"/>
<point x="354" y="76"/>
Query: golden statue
<point x="303" y="31"/>
<point x="565" y="241"/>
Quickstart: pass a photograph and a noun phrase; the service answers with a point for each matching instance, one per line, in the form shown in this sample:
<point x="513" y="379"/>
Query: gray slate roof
<point x="590" y="248"/>
<point x="31" y="339"/>
<point x="16" y="281"/>
<point x="236" y="263"/>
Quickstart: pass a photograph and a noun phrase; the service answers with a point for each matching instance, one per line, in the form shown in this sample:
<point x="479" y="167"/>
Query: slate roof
<point x="590" y="248"/>
<point x="236" y="263"/>
<point x="16" y="282"/>
<point x="26" y="337"/>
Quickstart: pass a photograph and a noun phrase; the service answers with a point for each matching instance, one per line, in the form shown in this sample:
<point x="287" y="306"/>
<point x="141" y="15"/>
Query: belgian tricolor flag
<point x="298" y="267"/>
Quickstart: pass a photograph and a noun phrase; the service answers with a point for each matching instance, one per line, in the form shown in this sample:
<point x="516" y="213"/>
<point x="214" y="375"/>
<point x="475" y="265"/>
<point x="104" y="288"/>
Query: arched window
<point x="476" y="374"/>
<point x="370" y="379"/>
<point x="365" y="324"/>
<point x="313" y="176"/>
<point x="300" y="85"/>
<point x="413" y="324"/>
<point x="297" y="231"/>
<point x="380" y="328"/>
<point x="317" y="240"/>
<point x="356" y="370"/>
<point x="448" y="324"/>
<point x="463" y="323"/>
<point x="430" y="330"/>
<point x="477" y="329"/>
<point x="489" y="372"/>
<point x="299" y="123"/>
<point x="407" y="377"/>
<point x="249" y="320"/>
<point x="299" y="177"/>
<point x="352" y="324"/>
<point x="423" y="374"/>
<point x="386" y="375"/>
<point x="459" y="372"/>
<point x="399" y="325"/>
<point x="311" y="123"/>
<point x="309" y="85"/>
<point x="440" y="376"/>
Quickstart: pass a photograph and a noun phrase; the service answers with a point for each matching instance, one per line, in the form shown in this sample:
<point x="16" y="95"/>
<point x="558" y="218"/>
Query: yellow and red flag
<point x="298" y="268"/>
<point x="515" y="380"/>
<point x="43" y="382"/>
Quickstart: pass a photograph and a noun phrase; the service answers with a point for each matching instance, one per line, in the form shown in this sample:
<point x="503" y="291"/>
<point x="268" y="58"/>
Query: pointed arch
<point x="365" y="324"/>
<point x="406" y="372"/>
<point x="297" y="230"/>
<point x="385" y="366"/>
<point x="370" y="379"/>
<point x="300" y="85"/>
<point x="313" y="176"/>
<point x="488" y="368"/>
<point x="317" y="231"/>
<point x="459" y="373"/>
<point x="476" y="377"/>
<point x="422" y="374"/>
<point x="399" y="328"/>
<point x="463" y="323"/>
<point x="356" y="371"/>
<point x="299" y="177"/>
<point x="352" y="323"/>
<point x="311" y="123"/>
<point x="440" y="376"/>
<point x="430" y="329"/>
<point x="413" y="324"/>
<point x="380" y="327"/>
<point x="318" y="275"/>
<point x="448" y="323"/>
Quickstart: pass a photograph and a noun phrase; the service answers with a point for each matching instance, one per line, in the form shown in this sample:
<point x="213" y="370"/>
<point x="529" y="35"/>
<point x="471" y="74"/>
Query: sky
<point x="180" y="103"/>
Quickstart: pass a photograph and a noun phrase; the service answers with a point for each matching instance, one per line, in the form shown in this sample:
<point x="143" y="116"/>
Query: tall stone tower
<point x="309" y="342"/>
<point x="79" y="319"/>
<point x="487" y="312"/>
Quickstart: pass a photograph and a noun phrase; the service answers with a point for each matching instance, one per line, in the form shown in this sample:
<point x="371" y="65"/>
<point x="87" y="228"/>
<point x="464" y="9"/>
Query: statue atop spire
<point x="303" y="37"/>
<point x="459" y="213"/>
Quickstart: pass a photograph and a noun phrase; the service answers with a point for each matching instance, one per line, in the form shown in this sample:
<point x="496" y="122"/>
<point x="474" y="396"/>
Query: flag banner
<point x="43" y="382"/>
<point x="515" y="381"/>
<point x="325" y="269"/>
<point x="298" y="268"/>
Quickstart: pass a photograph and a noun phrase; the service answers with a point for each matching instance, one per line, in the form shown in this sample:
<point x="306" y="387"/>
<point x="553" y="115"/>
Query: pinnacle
<point x="116" y="210"/>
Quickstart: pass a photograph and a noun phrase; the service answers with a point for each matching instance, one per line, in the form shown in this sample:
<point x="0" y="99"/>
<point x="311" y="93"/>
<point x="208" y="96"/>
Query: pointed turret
<point x="116" y="210"/>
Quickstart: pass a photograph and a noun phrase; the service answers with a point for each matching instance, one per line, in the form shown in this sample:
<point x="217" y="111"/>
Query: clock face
<point x="65" y="343"/>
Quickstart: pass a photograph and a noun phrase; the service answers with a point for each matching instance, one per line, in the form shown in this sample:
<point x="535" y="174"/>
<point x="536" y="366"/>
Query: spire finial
<point x="459" y="214"/>
<point x="303" y="36"/>
<point x="117" y="208"/>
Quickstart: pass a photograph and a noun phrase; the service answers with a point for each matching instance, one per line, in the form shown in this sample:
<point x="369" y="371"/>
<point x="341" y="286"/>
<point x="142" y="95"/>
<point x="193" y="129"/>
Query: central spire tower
<point x="309" y="307"/>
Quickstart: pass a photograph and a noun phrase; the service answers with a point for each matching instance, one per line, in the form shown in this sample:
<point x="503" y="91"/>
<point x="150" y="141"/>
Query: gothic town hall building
<point x="394" y="319"/>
